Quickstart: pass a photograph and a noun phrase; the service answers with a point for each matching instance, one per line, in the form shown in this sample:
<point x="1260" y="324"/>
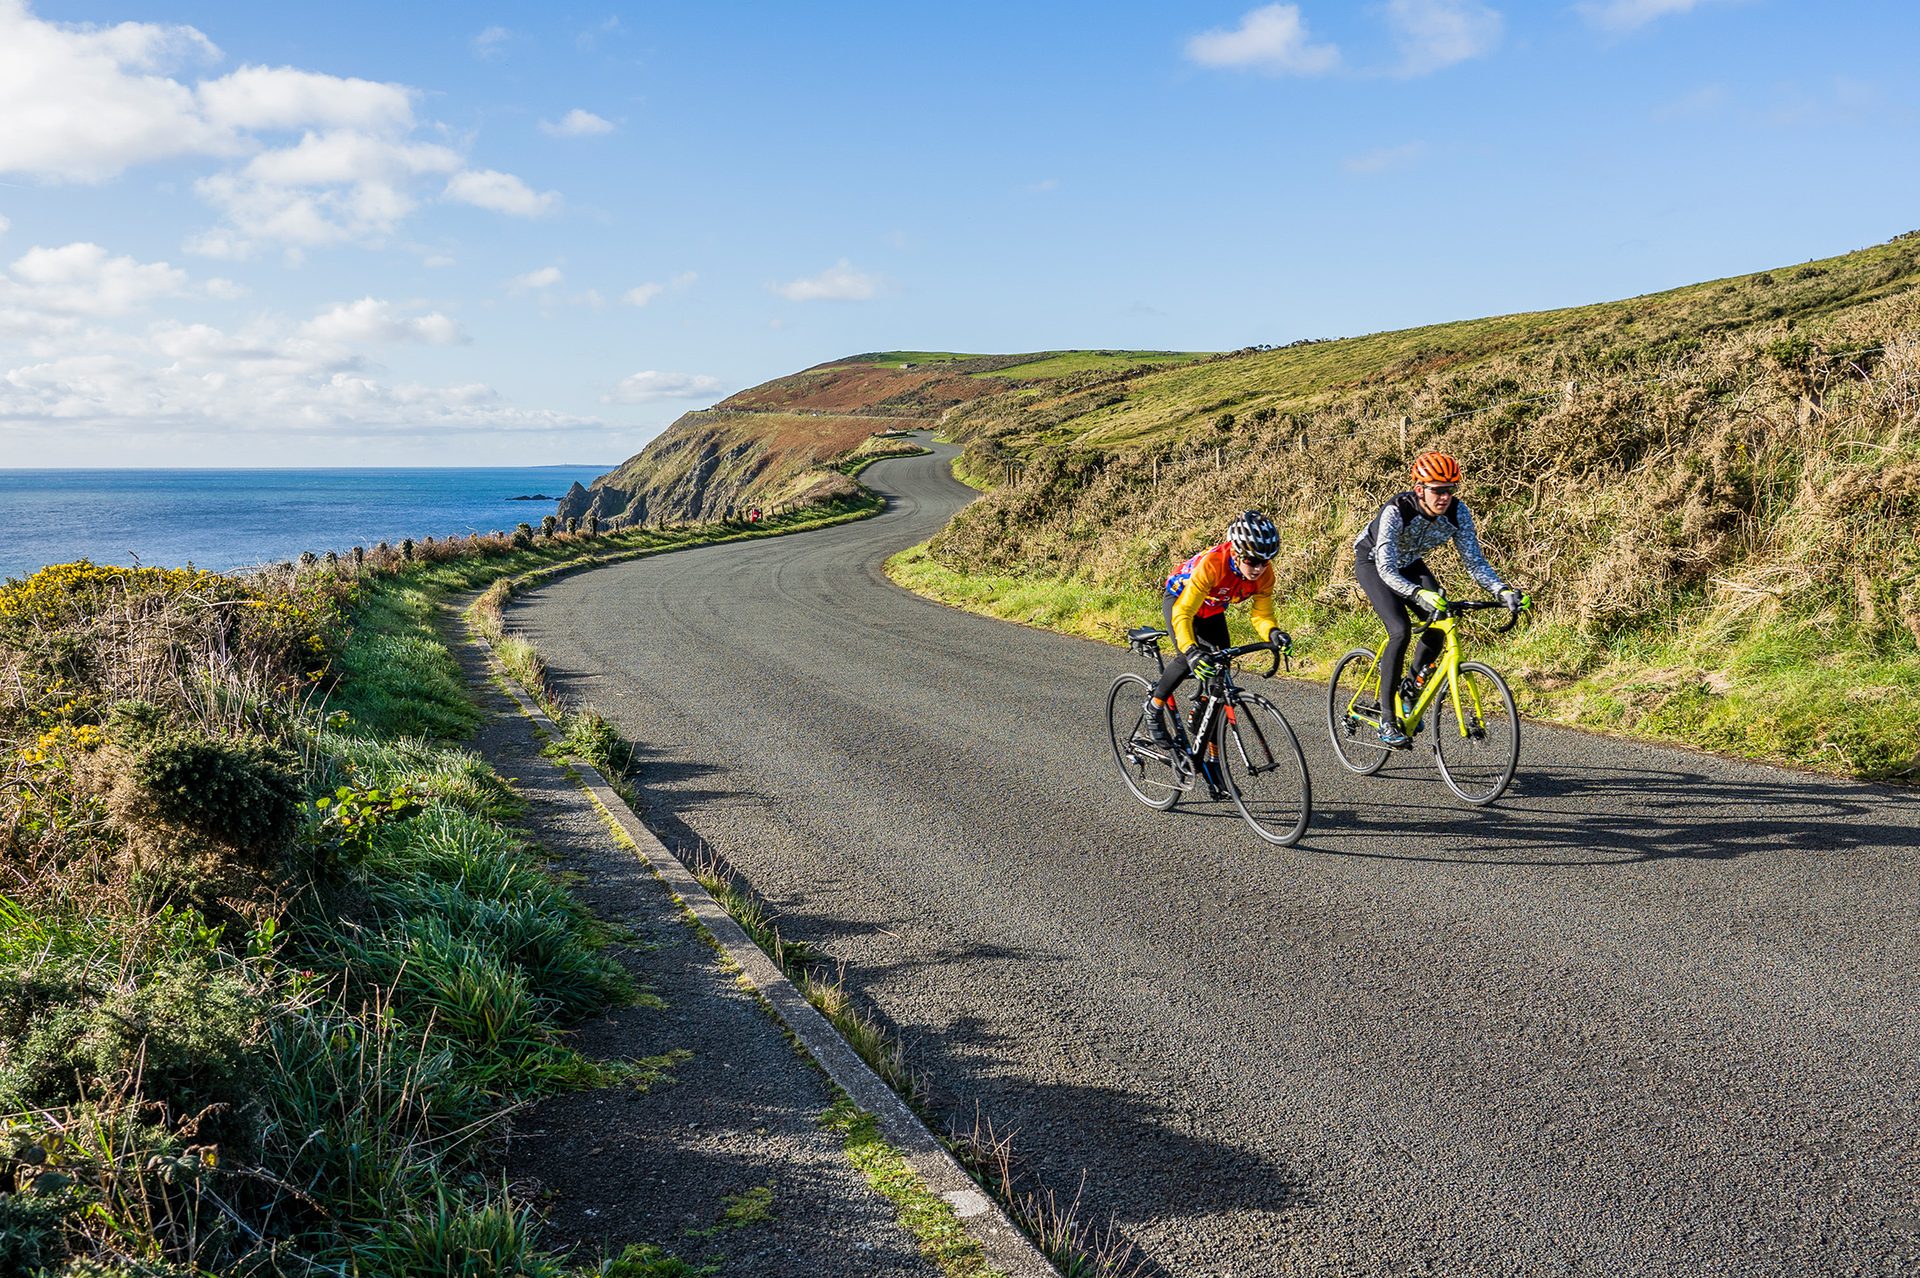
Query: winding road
<point x="1656" y="1012"/>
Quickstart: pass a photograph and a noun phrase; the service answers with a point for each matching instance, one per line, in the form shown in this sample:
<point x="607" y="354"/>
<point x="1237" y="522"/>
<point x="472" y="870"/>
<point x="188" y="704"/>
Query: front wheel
<point x="1152" y="773"/>
<point x="1265" y="772"/>
<point x="1476" y="734"/>
<point x="1353" y="713"/>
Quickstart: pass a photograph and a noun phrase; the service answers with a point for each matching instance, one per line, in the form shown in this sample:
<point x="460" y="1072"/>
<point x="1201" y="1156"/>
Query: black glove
<point x="1280" y="639"/>
<point x="1200" y="660"/>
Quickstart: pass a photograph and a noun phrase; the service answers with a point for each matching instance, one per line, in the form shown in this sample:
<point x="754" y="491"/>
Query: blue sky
<point x="471" y="234"/>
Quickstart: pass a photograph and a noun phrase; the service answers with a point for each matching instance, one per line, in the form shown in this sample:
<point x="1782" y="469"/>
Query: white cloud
<point x="375" y="320"/>
<point x="500" y="192"/>
<point x="1271" y="39"/>
<point x="576" y="124"/>
<point x="81" y="103"/>
<point x="81" y="279"/>
<point x="439" y="260"/>
<point x="491" y="45"/>
<point x="223" y="290"/>
<point x="1621" y="16"/>
<point x="1383" y="158"/>
<point x="5" y="225"/>
<point x="641" y="294"/>
<point x="287" y="98"/>
<point x="219" y="385"/>
<point x="545" y="277"/>
<point x="1433" y="34"/>
<point x="838" y="283"/>
<point x="651" y="385"/>
<point x="345" y="157"/>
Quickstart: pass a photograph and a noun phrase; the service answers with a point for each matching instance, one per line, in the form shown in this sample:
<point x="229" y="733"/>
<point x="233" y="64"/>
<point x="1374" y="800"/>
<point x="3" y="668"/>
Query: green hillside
<point x="1713" y="491"/>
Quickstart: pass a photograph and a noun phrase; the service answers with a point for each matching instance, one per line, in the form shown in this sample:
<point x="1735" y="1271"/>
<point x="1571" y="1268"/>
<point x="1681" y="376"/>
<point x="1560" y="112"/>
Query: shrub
<point x="244" y="794"/>
<point x="522" y="535"/>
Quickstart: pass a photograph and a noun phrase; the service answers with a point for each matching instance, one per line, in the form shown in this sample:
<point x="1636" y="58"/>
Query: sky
<point x="479" y="234"/>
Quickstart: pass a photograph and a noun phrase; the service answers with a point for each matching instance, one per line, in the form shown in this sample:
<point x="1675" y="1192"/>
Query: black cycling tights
<point x="1211" y="630"/>
<point x="1397" y="618"/>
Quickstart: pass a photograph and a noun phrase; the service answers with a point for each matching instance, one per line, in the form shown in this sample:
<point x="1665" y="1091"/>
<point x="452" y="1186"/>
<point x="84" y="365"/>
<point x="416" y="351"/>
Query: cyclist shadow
<point x="1626" y="816"/>
<point x="1131" y="1157"/>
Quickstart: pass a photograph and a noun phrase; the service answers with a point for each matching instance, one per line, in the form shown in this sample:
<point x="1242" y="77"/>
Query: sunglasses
<point x="1250" y="566"/>
<point x="1441" y="490"/>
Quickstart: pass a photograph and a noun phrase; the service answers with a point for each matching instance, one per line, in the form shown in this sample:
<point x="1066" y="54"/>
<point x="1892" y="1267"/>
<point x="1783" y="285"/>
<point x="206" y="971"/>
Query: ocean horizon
<point x="223" y="519"/>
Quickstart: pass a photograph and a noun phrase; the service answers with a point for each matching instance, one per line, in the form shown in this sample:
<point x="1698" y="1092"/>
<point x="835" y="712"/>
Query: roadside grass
<point x="926" y="1215"/>
<point x="1779" y="694"/>
<point x="245" y="1032"/>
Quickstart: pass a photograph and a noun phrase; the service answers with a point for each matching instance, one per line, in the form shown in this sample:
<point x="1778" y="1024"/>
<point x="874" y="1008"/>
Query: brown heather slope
<point x="791" y="439"/>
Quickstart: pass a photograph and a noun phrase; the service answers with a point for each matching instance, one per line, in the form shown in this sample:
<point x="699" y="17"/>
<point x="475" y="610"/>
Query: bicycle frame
<point x="1449" y="667"/>
<point x="1446" y="670"/>
<point x="1218" y="693"/>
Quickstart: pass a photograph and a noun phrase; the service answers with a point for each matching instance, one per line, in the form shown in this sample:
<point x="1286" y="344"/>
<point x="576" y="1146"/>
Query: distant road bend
<point x="1655" y="1013"/>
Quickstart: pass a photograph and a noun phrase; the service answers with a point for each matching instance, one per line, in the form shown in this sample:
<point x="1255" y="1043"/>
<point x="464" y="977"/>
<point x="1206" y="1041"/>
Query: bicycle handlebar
<point x="1480" y="605"/>
<point x="1282" y="648"/>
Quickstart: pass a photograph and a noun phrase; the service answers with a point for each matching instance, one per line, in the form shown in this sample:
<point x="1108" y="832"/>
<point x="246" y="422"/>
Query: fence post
<point x="1404" y="424"/>
<point x="1566" y="392"/>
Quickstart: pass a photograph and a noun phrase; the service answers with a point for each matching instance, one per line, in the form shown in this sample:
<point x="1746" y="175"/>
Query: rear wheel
<point x="1152" y="773"/>
<point x="1353" y="713"/>
<point x="1265" y="772"/>
<point x="1476" y="762"/>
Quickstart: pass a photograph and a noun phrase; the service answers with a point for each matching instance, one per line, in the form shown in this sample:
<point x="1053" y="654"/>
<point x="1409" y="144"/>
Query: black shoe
<point x="1153" y="726"/>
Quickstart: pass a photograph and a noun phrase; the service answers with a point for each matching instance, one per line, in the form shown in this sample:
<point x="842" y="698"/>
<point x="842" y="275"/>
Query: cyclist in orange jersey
<point x="1195" y="603"/>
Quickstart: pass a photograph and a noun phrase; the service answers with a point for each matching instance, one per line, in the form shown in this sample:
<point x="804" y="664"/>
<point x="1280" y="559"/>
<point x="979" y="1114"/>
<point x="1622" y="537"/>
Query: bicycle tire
<point x="1265" y="771"/>
<point x="1153" y="781"/>
<point x="1354" y="736"/>
<point x="1482" y="766"/>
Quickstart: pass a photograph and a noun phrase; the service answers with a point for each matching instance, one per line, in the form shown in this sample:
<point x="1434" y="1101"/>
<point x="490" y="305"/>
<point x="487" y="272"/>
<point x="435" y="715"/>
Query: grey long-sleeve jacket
<point x="1401" y="533"/>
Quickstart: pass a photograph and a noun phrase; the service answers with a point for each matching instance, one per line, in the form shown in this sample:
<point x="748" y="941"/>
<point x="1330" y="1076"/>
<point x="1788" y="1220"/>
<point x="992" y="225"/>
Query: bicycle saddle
<point x="1142" y="635"/>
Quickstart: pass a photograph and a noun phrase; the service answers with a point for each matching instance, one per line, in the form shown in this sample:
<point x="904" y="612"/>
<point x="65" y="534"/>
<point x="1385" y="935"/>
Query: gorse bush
<point x="244" y="793"/>
<point x="240" y="1031"/>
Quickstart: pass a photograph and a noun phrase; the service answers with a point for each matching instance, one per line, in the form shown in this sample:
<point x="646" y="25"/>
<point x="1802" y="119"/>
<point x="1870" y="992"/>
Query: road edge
<point x="1006" y="1247"/>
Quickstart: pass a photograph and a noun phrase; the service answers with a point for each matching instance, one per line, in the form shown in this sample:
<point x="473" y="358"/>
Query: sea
<point x="226" y="519"/>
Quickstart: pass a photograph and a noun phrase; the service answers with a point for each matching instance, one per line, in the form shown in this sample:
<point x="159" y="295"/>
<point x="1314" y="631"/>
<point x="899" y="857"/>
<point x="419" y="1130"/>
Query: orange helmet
<point x="1435" y="468"/>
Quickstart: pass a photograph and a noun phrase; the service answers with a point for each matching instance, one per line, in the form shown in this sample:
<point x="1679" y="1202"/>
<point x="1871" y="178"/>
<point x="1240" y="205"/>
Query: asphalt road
<point x="1656" y="1012"/>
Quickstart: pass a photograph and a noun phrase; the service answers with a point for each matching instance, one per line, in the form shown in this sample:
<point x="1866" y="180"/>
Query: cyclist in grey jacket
<point x="1389" y="561"/>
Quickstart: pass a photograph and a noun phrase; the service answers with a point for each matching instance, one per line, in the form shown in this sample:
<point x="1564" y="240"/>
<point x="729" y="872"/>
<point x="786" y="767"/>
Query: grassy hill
<point x="1713" y="491"/>
<point x="789" y="440"/>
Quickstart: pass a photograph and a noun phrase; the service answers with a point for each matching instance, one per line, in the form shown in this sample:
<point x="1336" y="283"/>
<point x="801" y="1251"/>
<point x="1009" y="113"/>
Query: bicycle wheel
<point x="1476" y="764"/>
<point x="1151" y="773"/>
<point x="1265" y="772"/>
<point x="1353" y="713"/>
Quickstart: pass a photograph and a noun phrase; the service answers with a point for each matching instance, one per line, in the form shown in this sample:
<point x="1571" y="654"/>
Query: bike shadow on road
<point x="1572" y="815"/>
<point x="1131" y="1152"/>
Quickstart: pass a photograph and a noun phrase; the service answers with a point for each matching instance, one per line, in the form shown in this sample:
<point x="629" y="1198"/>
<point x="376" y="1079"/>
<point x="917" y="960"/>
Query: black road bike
<point x="1233" y="744"/>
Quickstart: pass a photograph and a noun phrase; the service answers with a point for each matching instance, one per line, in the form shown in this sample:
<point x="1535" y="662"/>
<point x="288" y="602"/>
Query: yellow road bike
<point x="1475" y="728"/>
